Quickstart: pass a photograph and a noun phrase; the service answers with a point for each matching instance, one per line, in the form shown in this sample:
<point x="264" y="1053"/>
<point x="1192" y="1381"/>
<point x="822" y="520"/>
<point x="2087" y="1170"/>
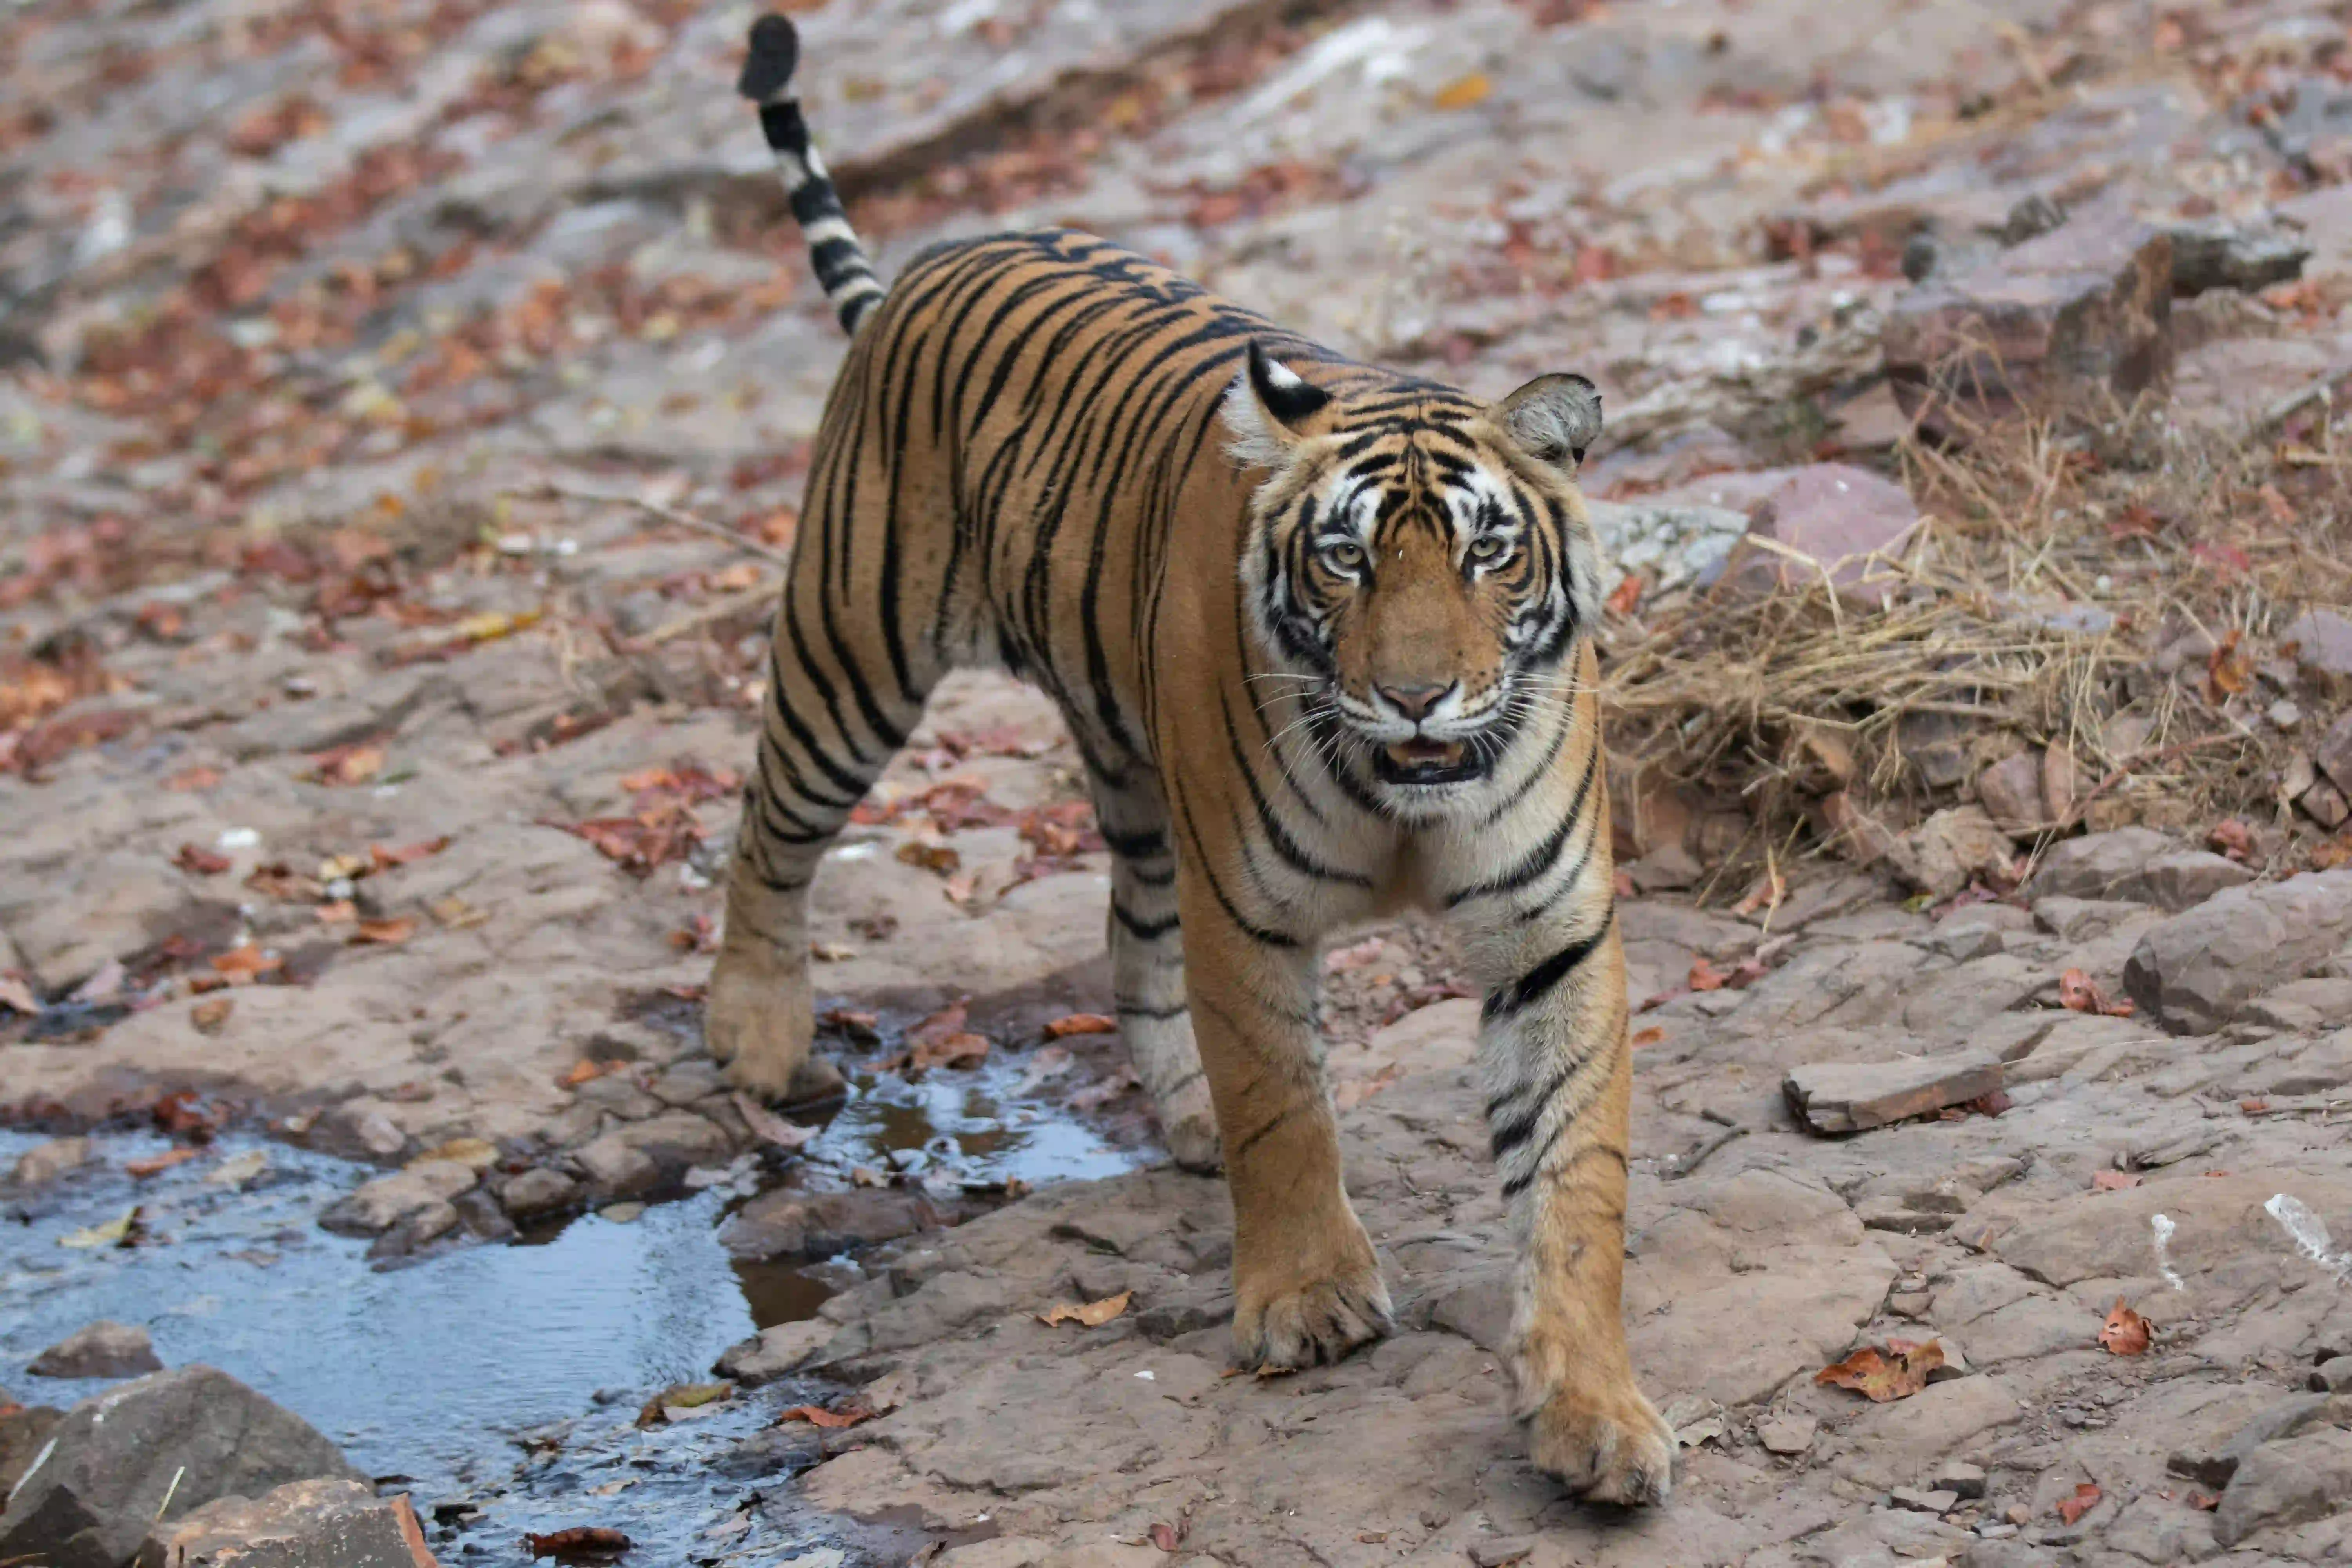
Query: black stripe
<point x="1537" y="983"/>
<point x="1131" y="1010"/>
<point x="1277" y="835"/>
<point x="1520" y="1183"/>
<point x="1149" y="931"/>
<point x="1141" y="846"/>
<point x="1252" y="1142"/>
<point x="1544" y="855"/>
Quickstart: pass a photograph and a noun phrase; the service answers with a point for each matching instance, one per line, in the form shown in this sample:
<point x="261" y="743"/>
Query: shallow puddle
<point x="502" y="1382"/>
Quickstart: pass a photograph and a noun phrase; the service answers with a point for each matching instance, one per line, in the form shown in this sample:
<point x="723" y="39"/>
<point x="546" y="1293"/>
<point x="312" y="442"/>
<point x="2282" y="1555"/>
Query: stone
<point x="101" y="1350"/>
<point x="2209" y="253"/>
<point x="1499" y="1553"/>
<point x="24" y="1431"/>
<point x="1830" y="521"/>
<point x="1852" y="1096"/>
<point x="1943" y="853"/>
<point x="2321" y="641"/>
<point x="2193" y="973"/>
<point x="2325" y="803"/>
<point x="777" y="1451"/>
<point x="774" y="1352"/>
<point x="1964" y="1481"/>
<point x="538" y="1193"/>
<point x="2333" y="753"/>
<point x="785" y="1224"/>
<point x="1673" y="545"/>
<point x="1891" y="1443"/>
<point x="1919" y="1502"/>
<point x="2011" y="791"/>
<point x="2076" y="317"/>
<point x="45" y="1163"/>
<point x="302" y="1524"/>
<point x="2100" y="866"/>
<point x="2286" y="1482"/>
<point x="2215" y="1464"/>
<point x="373" y="1207"/>
<point x="195" y="1433"/>
<point x="2083" y="919"/>
<point x="2187" y="877"/>
<point x="2333" y="1375"/>
<point x="2164" y="1532"/>
<point x="613" y="1169"/>
<point x="1787" y="1433"/>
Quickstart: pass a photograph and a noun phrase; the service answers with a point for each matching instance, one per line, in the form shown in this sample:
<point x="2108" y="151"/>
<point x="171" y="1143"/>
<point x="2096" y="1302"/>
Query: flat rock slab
<point x="186" y="1436"/>
<point x="1852" y="1097"/>
<point x="2194" y="972"/>
<point x="303" y="1524"/>
<point x="100" y="1350"/>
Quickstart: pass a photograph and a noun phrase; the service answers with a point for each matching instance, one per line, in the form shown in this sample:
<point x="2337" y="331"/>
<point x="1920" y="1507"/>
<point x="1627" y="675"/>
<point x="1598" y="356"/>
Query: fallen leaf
<point x="2231" y="838"/>
<point x="2202" y="1502"/>
<point x="1649" y="1036"/>
<point x="1704" y="976"/>
<point x="246" y="962"/>
<point x="769" y="1127"/>
<point x="584" y="1069"/>
<point x="1355" y="1091"/>
<point x="938" y="859"/>
<point x="2113" y="1181"/>
<point x="1070" y="1023"/>
<point x="186" y="1115"/>
<point x="17" y="997"/>
<point x="456" y="914"/>
<point x="1093" y="1315"/>
<point x="352" y="764"/>
<point x="1166" y="1537"/>
<point x="211" y="1015"/>
<point x="386" y="933"/>
<point x="1463" y="92"/>
<point x="683" y="1396"/>
<point x="823" y="952"/>
<point x="193" y="778"/>
<point x="582" y="1543"/>
<point x="385" y="857"/>
<point x="198" y="861"/>
<point x="2227" y="670"/>
<point x="121" y="1232"/>
<point x="1897" y="1374"/>
<point x="818" y="1415"/>
<point x="2126" y="1332"/>
<point x="2086" y="1497"/>
<point x="1769" y="892"/>
<point x="342" y="912"/>
<point x="2079" y="993"/>
<point x="1627" y="595"/>
<point x="246" y="1167"/>
<point x="155" y="1164"/>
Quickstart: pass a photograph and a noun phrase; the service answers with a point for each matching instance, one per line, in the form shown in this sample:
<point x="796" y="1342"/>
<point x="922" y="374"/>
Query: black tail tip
<point x="775" y="50"/>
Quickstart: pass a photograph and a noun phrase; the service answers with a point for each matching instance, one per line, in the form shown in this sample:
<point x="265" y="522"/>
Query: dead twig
<point x="666" y="512"/>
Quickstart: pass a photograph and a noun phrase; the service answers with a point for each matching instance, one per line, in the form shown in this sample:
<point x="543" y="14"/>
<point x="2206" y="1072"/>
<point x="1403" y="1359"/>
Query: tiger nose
<point x="1415" y="702"/>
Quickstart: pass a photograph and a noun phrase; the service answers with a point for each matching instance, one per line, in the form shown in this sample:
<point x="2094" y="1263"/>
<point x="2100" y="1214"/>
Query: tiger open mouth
<point x="1422" y="760"/>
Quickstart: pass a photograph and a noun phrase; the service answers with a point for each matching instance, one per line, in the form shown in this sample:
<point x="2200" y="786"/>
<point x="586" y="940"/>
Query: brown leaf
<point x="1070" y="1023"/>
<point x="2126" y="1332"/>
<point x="1093" y="1315"/>
<point x="1166" y="1537"/>
<point x="342" y="912"/>
<point x="211" y="1015"/>
<point x="2079" y="993"/>
<point x="582" y="1543"/>
<point x="965" y="1050"/>
<point x="352" y="764"/>
<point x="386" y="933"/>
<point x="938" y="859"/>
<point x="385" y="857"/>
<point x="1355" y="1091"/>
<point x="1704" y="976"/>
<point x="246" y="962"/>
<point x="198" y="861"/>
<point x="1463" y="92"/>
<point x="1897" y="1374"/>
<point x="769" y="1127"/>
<point x="2202" y="1502"/>
<point x="2113" y="1181"/>
<point x="154" y="1164"/>
<point x="193" y="779"/>
<point x="2086" y="1497"/>
<point x="832" y="1420"/>
<point x="2227" y="670"/>
<point x="1649" y="1036"/>
<point x="2232" y="838"/>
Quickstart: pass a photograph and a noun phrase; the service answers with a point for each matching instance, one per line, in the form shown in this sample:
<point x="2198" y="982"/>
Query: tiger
<point x="1320" y="633"/>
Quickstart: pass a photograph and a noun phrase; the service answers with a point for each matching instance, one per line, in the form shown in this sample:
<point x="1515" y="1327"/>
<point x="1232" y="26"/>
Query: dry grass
<point x="1994" y="637"/>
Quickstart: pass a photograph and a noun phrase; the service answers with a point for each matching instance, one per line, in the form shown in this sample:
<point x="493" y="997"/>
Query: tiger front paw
<point x="1604" y="1442"/>
<point x="759" y="1020"/>
<point x="1309" y="1315"/>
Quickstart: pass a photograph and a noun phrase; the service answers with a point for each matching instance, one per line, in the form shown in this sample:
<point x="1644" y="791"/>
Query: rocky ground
<point x="402" y="417"/>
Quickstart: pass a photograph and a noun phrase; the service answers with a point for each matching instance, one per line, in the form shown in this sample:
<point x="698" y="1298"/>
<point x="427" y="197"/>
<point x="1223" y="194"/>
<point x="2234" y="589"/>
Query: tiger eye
<point x="1486" y="549"/>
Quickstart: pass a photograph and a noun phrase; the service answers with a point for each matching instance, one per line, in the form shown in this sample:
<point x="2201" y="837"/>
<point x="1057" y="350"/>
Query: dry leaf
<point x="246" y="962"/>
<point x="935" y="858"/>
<point x="1166" y="1537"/>
<point x="1071" y="1023"/>
<point x="767" y="1126"/>
<point x="1899" y="1373"/>
<point x="2126" y="1332"/>
<point x="2202" y="1502"/>
<point x="2078" y="993"/>
<point x="2086" y="1497"/>
<point x="198" y="861"/>
<point x="1704" y="976"/>
<point x="1094" y="1314"/>
<point x="154" y="1164"/>
<point x="193" y="778"/>
<point x="352" y="764"/>
<point x="385" y="857"/>
<point x="342" y="912"/>
<point x="2113" y="1181"/>
<point x="584" y="1543"/>
<point x="818" y="1415"/>
<point x="456" y="914"/>
<point x="1463" y="92"/>
<point x="822" y="952"/>
<point x="1649" y="1036"/>
<point x="211" y="1015"/>
<point x="18" y="997"/>
<point x="1355" y="1091"/>
<point x="387" y="933"/>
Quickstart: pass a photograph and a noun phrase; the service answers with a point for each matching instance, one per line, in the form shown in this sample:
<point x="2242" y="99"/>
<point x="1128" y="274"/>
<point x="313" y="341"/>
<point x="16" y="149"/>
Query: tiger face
<point x="1421" y="564"/>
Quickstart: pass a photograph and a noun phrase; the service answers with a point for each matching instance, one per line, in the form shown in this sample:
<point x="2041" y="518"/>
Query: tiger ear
<point x="1553" y="418"/>
<point x="1270" y="410"/>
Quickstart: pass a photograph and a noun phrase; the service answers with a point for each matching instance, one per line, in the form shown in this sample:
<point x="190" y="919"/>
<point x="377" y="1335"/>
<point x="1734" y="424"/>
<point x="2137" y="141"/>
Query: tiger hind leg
<point x="824" y="736"/>
<point x="1147" y="949"/>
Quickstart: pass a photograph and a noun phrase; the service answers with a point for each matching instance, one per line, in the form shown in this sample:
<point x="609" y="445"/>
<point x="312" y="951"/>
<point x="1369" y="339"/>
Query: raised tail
<point x="843" y="269"/>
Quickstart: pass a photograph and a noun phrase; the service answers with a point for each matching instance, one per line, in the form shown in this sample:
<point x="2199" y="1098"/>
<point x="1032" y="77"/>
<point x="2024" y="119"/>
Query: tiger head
<point x="1420" y="561"/>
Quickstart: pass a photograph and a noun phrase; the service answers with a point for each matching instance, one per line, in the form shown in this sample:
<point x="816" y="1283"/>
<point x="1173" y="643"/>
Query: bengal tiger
<point x="1319" y="631"/>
